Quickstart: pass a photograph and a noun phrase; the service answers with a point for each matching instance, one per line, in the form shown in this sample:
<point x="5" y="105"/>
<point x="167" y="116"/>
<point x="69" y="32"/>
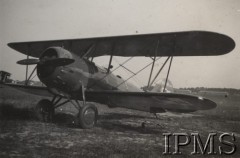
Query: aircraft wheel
<point x="45" y="110"/>
<point x="87" y="116"/>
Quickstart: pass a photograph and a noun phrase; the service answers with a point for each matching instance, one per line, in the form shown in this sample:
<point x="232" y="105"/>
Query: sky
<point x="34" y="20"/>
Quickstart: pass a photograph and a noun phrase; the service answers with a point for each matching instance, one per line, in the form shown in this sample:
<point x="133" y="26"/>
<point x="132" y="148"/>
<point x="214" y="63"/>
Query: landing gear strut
<point x="87" y="112"/>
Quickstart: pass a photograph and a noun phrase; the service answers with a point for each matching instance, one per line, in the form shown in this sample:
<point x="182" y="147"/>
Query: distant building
<point x="213" y="93"/>
<point x="5" y="76"/>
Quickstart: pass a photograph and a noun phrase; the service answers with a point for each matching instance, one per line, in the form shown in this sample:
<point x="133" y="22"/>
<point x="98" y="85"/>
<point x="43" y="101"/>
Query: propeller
<point x="50" y="62"/>
<point x="28" y="61"/>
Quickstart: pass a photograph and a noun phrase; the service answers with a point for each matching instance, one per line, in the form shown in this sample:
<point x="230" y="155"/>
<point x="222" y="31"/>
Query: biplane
<point x="68" y="70"/>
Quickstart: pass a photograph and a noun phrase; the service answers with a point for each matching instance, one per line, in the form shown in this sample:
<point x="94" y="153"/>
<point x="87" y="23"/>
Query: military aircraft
<point x="67" y="69"/>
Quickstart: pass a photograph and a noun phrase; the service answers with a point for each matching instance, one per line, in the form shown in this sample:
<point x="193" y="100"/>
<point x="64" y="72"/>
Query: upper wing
<point x="151" y="102"/>
<point x="191" y="43"/>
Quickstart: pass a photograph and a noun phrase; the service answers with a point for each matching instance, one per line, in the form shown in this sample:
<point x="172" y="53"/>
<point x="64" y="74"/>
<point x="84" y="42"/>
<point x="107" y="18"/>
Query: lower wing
<point x="36" y="90"/>
<point x="143" y="101"/>
<point x="151" y="102"/>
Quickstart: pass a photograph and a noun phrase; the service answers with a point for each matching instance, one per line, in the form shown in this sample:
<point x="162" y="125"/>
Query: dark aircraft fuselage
<point x="69" y="79"/>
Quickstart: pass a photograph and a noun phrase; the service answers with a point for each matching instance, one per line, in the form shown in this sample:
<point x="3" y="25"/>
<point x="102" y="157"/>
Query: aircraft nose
<point x="52" y="58"/>
<point x="56" y="56"/>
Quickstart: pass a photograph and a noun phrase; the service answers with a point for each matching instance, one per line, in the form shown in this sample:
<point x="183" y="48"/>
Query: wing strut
<point x="120" y="65"/>
<point x="90" y="50"/>
<point x="134" y="74"/>
<point x="154" y="59"/>
<point x="170" y="64"/>
<point x="110" y="62"/>
<point x="159" y="71"/>
<point x="128" y="69"/>
<point x="28" y="78"/>
<point x="26" y="81"/>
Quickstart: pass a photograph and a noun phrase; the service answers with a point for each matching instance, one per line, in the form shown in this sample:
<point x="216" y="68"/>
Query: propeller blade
<point x="52" y="62"/>
<point x="28" y="61"/>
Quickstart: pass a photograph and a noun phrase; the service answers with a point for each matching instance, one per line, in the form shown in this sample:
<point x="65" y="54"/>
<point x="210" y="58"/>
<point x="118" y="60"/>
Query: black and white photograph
<point x="119" y="78"/>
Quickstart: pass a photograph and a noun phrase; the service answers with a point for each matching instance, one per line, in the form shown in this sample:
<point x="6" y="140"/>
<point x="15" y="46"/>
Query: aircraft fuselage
<point x="69" y="79"/>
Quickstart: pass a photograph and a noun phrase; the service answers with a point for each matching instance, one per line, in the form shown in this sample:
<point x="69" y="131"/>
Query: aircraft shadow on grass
<point x="110" y="121"/>
<point x="121" y="127"/>
<point x="9" y="112"/>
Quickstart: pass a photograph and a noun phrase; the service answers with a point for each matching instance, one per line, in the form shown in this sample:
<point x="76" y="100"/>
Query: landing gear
<point x="45" y="110"/>
<point x="87" y="116"/>
<point x="87" y="112"/>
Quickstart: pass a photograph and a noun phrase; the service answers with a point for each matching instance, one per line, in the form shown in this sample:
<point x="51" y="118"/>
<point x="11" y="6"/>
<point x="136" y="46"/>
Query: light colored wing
<point x="150" y="102"/>
<point x="190" y="43"/>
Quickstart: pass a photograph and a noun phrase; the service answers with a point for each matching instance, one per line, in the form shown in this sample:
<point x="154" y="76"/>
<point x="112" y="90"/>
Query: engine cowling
<point x="52" y="58"/>
<point x="58" y="71"/>
<point x="56" y="52"/>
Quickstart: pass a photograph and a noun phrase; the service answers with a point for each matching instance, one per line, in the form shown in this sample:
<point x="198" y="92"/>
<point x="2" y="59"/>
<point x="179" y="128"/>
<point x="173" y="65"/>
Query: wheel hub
<point x="89" y="116"/>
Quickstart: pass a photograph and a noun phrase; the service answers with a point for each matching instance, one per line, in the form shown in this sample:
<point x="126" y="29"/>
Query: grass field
<point x="118" y="133"/>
